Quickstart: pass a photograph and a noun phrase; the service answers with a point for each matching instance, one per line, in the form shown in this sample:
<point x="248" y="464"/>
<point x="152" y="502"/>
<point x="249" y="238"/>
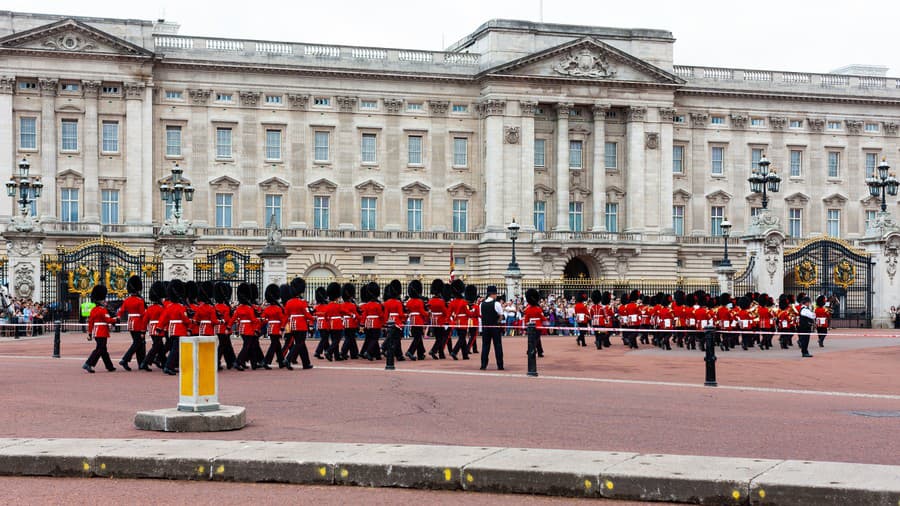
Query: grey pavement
<point x="569" y="473"/>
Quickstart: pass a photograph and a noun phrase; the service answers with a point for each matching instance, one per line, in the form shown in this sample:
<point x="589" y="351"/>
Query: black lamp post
<point x="173" y="192"/>
<point x="762" y="180"/>
<point x="513" y="229"/>
<point x="726" y="231"/>
<point x="882" y="184"/>
<point x="27" y="187"/>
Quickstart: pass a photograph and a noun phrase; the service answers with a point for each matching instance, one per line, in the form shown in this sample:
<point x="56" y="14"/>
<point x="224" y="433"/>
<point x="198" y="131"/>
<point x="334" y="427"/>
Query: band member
<point x="151" y="323"/>
<point x="699" y="320"/>
<point x="823" y="319"/>
<point x="351" y="322"/>
<point x="321" y="327"/>
<point x="627" y="318"/>
<point x="174" y="321"/>
<point x="98" y="330"/>
<point x="491" y="311"/>
<point x="299" y="319"/>
<point x="373" y="321"/>
<point x="415" y="308"/>
<point x="438" y="313"/>
<point x="766" y="321"/>
<point x="274" y="320"/>
<point x="459" y="318"/>
<point x="581" y="318"/>
<point x="471" y="296"/>
<point x="665" y="320"/>
<point x="132" y="311"/>
<point x="724" y="319"/>
<point x="334" y="321"/>
<point x="223" y="332"/>
<point x="247" y="321"/>
<point x="807" y="318"/>
<point x="393" y="319"/>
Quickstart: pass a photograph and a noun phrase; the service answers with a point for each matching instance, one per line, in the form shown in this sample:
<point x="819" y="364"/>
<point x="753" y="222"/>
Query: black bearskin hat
<point x="223" y="292"/>
<point x="690" y="299"/>
<point x="348" y="292"/>
<point x="645" y="300"/>
<point x="414" y="289"/>
<point x="624" y="299"/>
<point x="662" y="299"/>
<point x="298" y="286"/>
<point x="206" y="291"/>
<point x="606" y="298"/>
<point x="98" y="294"/>
<point x="190" y="291"/>
<point x="446" y="293"/>
<point x="364" y="293"/>
<point x="532" y="296"/>
<point x="157" y="290"/>
<point x="135" y="285"/>
<point x="596" y="296"/>
<point x="286" y="292"/>
<point x="744" y="302"/>
<point x="374" y="290"/>
<point x="333" y="291"/>
<point x="679" y="297"/>
<point x="582" y="297"/>
<point x="244" y="293"/>
<point x="254" y="293"/>
<point x="724" y="299"/>
<point x="820" y="301"/>
<point x="471" y="293"/>
<point x="321" y="295"/>
<point x="272" y="293"/>
<point x="175" y="290"/>
<point x="457" y="287"/>
<point x="437" y="287"/>
<point x="782" y="303"/>
<point x="396" y="289"/>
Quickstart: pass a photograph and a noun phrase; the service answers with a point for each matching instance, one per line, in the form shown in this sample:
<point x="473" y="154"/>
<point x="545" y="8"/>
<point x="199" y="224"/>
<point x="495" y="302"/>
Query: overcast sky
<point x="761" y="34"/>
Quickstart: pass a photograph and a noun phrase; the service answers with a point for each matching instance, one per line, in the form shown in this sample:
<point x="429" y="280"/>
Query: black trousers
<point x="138" y="348"/>
<point x="462" y="343"/>
<point x="350" y="349"/>
<point x="370" y="343"/>
<point x="803" y="342"/>
<point x="274" y="351"/>
<point x="226" y="351"/>
<point x="299" y="349"/>
<point x="323" y="342"/>
<point x="172" y="359"/>
<point x="491" y="336"/>
<point x="473" y="339"/>
<point x="100" y="353"/>
<point x="440" y="335"/>
<point x="157" y="351"/>
<point x="417" y="346"/>
<point x="335" y="348"/>
<point x="246" y="350"/>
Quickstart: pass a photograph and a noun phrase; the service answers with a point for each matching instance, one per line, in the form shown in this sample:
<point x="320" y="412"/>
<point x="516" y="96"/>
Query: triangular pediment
<point x="71" y="36"/>
<point x="461" y="190"/>
<point x="225" y="183"/>
<point x="719" y="197"/>
<point x="585" y="59"/>
<point x="370" y="186"/>
<point x="416" y="188"/>
<point x="274" y="183"/>
<point x="542" y="191"/>
<point x="797" y="198"/>
<point x="835" y="199"/>
<point x="322" y="185"/>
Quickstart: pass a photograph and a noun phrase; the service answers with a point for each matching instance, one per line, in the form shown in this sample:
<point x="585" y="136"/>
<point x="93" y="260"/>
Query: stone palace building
<point x="615" y="161"/>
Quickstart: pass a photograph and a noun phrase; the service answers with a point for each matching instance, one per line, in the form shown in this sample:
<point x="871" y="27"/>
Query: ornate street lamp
<point x="173" y="192"/>
<point x="763" y="181"/>
<point x="883" y="184"/>
<point x="513" y="229"/>
<point x="28" y="189"/>
<point x="726" y="232"/>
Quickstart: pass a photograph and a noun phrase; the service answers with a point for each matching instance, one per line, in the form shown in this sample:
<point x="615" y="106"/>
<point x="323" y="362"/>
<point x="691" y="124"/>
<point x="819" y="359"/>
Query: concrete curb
<point x="618" y="475"/>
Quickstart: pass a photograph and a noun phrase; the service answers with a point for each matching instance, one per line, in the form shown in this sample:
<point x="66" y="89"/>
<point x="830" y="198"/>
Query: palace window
<point x="834" y="164"/>
<point x="368" y="105"/>
<point x="717" y="120"/>
<point x="320" y="212"/>
<point x="575" y="154"/>
<point x="273" y="99"/>
<point x="414" y="106"/>
<point x="833" y="223"/>
<point x="718" y="160"/>
<point x="612" y="217"/>
<point x="224" y="97"/>
<point x="796" y="123"/>
<point x="110" y="142"/>
<point x="27" y="85"/>
<point x="678" y="159"/>
<point x="872" y="127"/>
<point x="678" y="219"/>
<point x="870" y="218"/>
<point x="871" y="163"/>
<point x="460" y="108"/>
<point x="322" y="146"/>
<point x="460" y="152"/>
<point x="796" y="162"/>
<point x="174" y="95"/>
<point x="755" y="157"/>
<point x="223" y="210"/>
<point x="273" y="209"/>
<point x="833" y="125"/>
<point x="367" y="220"/>
<point x="414" y="215"/>
<point x="414" y="149"/>
<point x="223" y="142"/>
<point x="68" y="211"/>
<point x="27" y="133"/>
<point x="273" y="144"/>
<point x="460" y="215"/>
<point x="69" y="135"/>
<point x="795" y="222"/>
<point x="109" y="207"/>
<point x="322" y="102"/>
<point x="173" y="140"/>
<point x="540" y="215"/>
<point x="369" y="148"/>
<point x="576" y="216"/>
<point x="540" y="146"/>
<point x="611" y="155"/>
<point x="757" y="122"/>
<point x="70" y="87"/>
<point x="716" y="216"/>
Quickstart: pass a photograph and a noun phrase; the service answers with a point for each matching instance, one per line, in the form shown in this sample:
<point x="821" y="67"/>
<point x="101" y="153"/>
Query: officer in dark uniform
<point x="491" y="312"/>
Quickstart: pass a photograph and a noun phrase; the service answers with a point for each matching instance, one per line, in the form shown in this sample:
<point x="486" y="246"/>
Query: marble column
<point x="7" y="142"/>
<point x="562" y="167"/>
<point x="666" y="186"/>
<point x="146" y="214"/>
<point x="635" y="206"/>
<point x="134" y="112"/>
<point x="492" y="111"/>
<point x="49" y="147"/>
<point x="91" y="153"/>
<point x="598" y="169"/>
<point x="526" y="172"/>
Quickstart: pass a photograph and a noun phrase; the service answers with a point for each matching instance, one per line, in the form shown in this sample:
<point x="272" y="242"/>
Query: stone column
<point x="177" y="255"/>
<point x="92" y="153"/>
<point x="492" y="111"/>
<point x="7" y="142"/>
<point x="885" y="253"/>
<point x="513" y="283"/>
<point x="666" y="186"/>
<point x="146" y="179"/>
<point x="49" y="148"/>
<point x="24" y="250"/>
<point x="767" y="253"/>
<point x="562" y="167"/>
<point x="526" y="171"/>
<point x="274" y="257"/>
<point x="725" y="276"/>
<point x="598" y="168"/>
<point x="134" y="154"/>
<point x="635" y="206"/>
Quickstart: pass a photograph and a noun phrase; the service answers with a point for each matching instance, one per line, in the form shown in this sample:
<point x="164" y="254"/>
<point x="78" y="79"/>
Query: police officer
<point x="805" y="325"/>
<point x="491" y="310"/>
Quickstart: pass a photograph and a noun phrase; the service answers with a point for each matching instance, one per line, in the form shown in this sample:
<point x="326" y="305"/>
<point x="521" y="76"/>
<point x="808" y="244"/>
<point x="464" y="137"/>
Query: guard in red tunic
<point x="415" y="308"/>
<point x="766" y="321"/>
<point x="247" y="321"/>
<point x="98" y="330"/>
<point x="299" y="321"/>
<point x="222" y="292"/>
<point x="350" y="350"/>
<point x="823" y="319"/>
<point x="598" y="318"/>
<point x="372" y="314"/>
<point x="393" y="319"/>
<point x="471" y="296"/>
<point x="459" y="317"/>
<point x="582" y="318"/>
<point x="534" y="314"/>
<point x="151" y="323"/>
<point x="438" y="315"/>
<point x="273" y="318"/>
<point x="132" y="312"/>
<point x="175" y="320"/>
<point x="321" y="326"/>
<point x="205" y="317"/>
<point x="334" y="321"/>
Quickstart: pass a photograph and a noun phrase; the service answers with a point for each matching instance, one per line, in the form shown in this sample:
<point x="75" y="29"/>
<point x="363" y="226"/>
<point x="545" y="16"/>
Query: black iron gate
<point x="231" y="265"/>
<point x="835" y="269"/>
<point x="68" y="276"/>
<point x="743" y="281"/>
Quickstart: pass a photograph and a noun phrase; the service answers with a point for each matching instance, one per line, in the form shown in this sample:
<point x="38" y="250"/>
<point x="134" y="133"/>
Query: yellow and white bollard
<point x="199" y="373"/>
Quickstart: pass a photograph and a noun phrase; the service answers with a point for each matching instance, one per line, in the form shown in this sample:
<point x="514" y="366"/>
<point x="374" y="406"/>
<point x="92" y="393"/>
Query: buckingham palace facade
<point x="616" y="162"/>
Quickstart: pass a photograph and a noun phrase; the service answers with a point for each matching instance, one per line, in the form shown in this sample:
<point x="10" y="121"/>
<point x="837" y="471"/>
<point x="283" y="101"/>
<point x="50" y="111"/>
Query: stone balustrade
<point x="773" y="80"/>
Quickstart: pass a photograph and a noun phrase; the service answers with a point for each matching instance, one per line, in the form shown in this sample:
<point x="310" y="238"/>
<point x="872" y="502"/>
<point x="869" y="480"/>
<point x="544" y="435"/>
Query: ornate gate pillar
<point x="885" y="255"/>
<point x="768" y="269"/>
<point x="24" y="250"/>
<point x="274" y="257"/>
<point x="177" y="255"/>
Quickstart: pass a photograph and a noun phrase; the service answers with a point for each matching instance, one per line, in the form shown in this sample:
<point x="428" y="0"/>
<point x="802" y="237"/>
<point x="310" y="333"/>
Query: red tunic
<point x="297" y="312"/>
<point x="393" y="311"/>
<point x="765" y="318"/>
<point x="223" y="314"/>
<point x="151" y="319"/>
<point x="245" y="316"/>
<point x="351" y="315"/>
<point x="581" y="313"/>
<point x="665" y="319"/>
<point x="99" y="322"/>
<point x="438" y="310"/>
<point x="205" y="319"/>
<point x="174" y="320"/>
<point x="459" y="312"/>
<point x="533" y="314"/>
<point x="372" y="315"/>
<point x="273" y="315"/>
<point x="415" y="307"/>
<point x="334" y="316"/>
<point x="723" y="315"/>
<point x="132" y="311"/>
<point x="823" y="317"/>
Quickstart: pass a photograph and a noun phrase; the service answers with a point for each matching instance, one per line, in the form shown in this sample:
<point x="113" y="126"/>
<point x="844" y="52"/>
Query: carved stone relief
<point x="69" y="42"/>
<point x="177" y="250"/>
<point x="511" y="135"/>
<point x="739" y="120"/>
<point x="778" y="122"/>
<point x="179" y="271"/>
<point x="652" y="140"/>
<point x="585" y="63"/>
<point x="891" y="257"/>
<point x="23" y="280"/>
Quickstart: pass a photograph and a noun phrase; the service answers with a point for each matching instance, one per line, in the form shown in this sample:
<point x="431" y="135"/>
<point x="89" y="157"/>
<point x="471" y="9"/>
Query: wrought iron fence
<point x="229" y="264"/>
<point x="744" y="282"/>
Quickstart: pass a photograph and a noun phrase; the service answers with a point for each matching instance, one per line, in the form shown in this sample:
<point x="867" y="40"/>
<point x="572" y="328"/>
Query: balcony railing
<point x="778" y="79"/>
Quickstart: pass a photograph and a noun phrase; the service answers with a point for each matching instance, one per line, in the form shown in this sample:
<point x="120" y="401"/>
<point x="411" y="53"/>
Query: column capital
<point x="491" y="107"/>
<point x="48" y="87"/>
<point x="527" y="107"/>
<point x="635" y="113"/>
<point x="91" y="88"/>
<point x="563" y="108"/>
<point x="438" y="107"/>
<point x="7" y="85"/>
<point x="600" y="109"/>
<point x="666" y="114"/>
<point x="134" y="91"/>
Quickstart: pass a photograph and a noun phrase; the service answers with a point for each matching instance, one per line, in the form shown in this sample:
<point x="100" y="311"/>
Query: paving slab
<point x="683" y="478"/>
<point x="409" y="466"/>
<point x="795" y="482"/>
<point x="55" y="457"/>
<point x="175" y="459"/>
<point x="284" y="462"/>
<point x="539" y="471"/>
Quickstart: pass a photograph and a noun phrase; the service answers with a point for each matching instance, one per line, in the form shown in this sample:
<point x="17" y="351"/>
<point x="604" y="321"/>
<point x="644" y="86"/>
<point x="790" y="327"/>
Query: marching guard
<point x="132" y="310"/>
<point x="98" y="329"/>
<point x="299" y="321"/>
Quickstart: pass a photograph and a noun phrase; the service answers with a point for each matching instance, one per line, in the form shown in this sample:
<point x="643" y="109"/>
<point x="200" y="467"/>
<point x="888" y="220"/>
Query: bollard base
<point x="532" y="374"/>
<point x="710" y="384"/>
<point x="173" y="420"/>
